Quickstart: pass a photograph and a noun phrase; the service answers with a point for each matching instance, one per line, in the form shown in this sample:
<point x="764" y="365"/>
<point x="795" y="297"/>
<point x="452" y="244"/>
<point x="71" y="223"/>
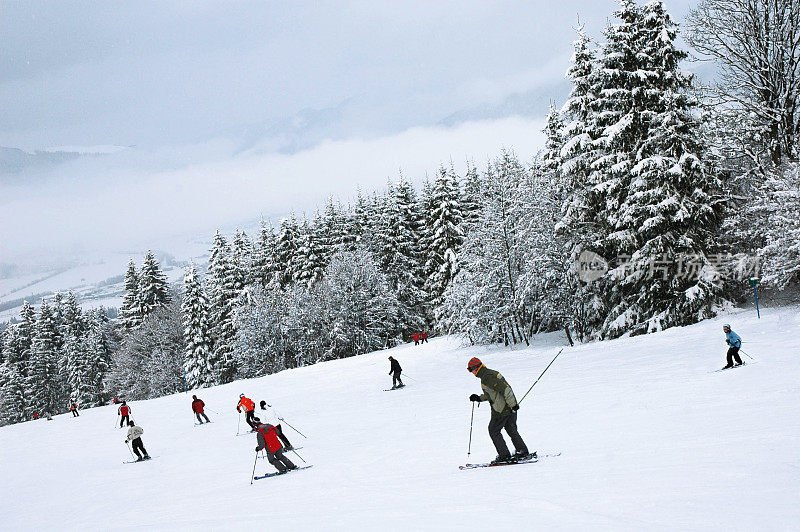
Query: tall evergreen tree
<point x="44" y="386"/>
<point x="263" y="266"/>
<point x="288" y="241"/>
<point x="131" y="310"/>
<point x="223" y="293"/>
<point x="444" y="224"/>
<point x="198" y="362"/>
<point x="153" y="288"/>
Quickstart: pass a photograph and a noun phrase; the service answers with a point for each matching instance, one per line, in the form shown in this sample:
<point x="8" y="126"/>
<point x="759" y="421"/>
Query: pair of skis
<point x="278" y="473"/>
<point x="531" y="458"/>
<point x="137" y="461"/>
<point x="395" y="388"/>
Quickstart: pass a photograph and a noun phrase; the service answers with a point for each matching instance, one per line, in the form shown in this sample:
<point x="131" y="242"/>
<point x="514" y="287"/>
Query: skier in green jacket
<point x="504" y="411"/>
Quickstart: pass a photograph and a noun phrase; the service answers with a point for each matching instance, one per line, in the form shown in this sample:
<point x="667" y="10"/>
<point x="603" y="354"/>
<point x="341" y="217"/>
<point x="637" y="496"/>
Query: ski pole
<point x="540" y="376"/>
<point x="116" y="421"/>
<point x="254" y="469"/>
<point x="471" y="417"/>
<point x="128" y="445"/>
<point x="409" y="376"/>
<point x="294" y="429"/>
<point x="217" y="413"/>
<point x="300" y="457"/>
<point x="239" y="424"/>
<point x="748" y="356"/>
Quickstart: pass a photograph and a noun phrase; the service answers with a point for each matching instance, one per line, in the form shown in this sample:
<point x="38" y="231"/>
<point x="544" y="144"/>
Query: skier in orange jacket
<point x="249" y="408"/>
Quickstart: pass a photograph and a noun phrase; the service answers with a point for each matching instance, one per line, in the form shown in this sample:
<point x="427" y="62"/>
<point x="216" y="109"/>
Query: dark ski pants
<point x="280" y="461"/>
<point x="249" y="418"/>
<point x="75" y="413"/>
<point x="396" y="380"/>
<point x="733" y="354"/>
<point x="123" y="420"/>
<point x="284" y="439"/>
<point x="509" y="423"/>
<point x="138" y="446"/>
<point x="198" y="414"/>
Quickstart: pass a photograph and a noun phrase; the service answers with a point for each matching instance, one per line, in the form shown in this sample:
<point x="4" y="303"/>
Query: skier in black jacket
<point x="395" y="371"/>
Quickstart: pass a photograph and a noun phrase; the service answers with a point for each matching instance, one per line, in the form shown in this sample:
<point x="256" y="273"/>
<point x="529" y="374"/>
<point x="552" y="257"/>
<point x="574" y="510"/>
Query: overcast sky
<point x="231" y="110"/>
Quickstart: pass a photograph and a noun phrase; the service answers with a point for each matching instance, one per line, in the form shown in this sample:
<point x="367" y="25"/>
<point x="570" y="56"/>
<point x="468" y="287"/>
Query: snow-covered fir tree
<point x="308" y="264"/>
<point x="401" y="253"/>
<point x="223" y="292"/>
<point x="263" y="265"/>
<point x="130" y="310"/>
<point x="288" y="242"/>
<point x="659" y="194"/>
<point x="198" y="362"/>
<point x="44" y="383"/>
<point x="241" y="257"/>
<point x="153" y="287"/>
<point x="445" y="234"/>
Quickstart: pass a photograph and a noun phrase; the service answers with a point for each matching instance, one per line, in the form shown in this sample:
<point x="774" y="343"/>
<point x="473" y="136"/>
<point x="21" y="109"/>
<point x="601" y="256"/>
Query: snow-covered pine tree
<point x="263" y="267"/>
<point x="198" y="362"/>
<point x="401" y="254"/>
<point x="308" y="263"/>
<point x="222" y="294"/>
<point x="44" y="384"/>
<point x="288" y="241"/>
<point x="330" y="230"/>
<point x="99" y="356"/>
<point x="153" y="288"/>
<point x="12" y="375"/>
<point x="444" y="226"/>
<point x="471" y="200"/>
<point x="130" y="310"/>
<point x="241" y="257"/>
<point x="659" y="195"/>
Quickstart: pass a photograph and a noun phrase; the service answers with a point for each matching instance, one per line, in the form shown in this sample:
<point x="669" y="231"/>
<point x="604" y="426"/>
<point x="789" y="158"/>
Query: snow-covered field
<point x="651" y="439"/>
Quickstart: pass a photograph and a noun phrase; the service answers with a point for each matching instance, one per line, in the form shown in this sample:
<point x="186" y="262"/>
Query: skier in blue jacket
<point x="735" y="342"/>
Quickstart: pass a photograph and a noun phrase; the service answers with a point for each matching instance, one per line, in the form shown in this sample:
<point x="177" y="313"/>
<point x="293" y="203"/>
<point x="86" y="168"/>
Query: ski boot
<point x="501" y="460"/>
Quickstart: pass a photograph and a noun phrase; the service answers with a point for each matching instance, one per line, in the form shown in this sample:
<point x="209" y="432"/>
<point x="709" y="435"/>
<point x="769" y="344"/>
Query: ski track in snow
<point x="650" y="438"/>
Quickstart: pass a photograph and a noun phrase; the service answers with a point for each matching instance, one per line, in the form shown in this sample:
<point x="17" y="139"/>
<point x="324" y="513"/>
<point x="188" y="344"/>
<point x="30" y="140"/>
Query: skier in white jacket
<point x="135" y="438"/>
<point x="274" y="418"/>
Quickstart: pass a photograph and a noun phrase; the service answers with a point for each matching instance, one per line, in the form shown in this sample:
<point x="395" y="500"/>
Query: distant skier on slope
<point x="504" y="411"/>
<point x="273" y="417"/>
<point x="135" y="438"/>
<point x="249" y="407"/>
<point x="735" y="342"/>
<point x="394" y="371"/>
<point x="197" y="407"/>
<point x="124" y="412"/>
<point x="424" y="338"/>
<point x="74" y="409"/>
<point x="415" y="336"/>
<point x="268" y="440"/>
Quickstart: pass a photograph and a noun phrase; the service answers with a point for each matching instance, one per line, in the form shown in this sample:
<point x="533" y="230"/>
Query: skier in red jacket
<point x="197" y="407"/>
<point x="124" y="412"/>
<point x="269" y="441"/>
<point x="249" y="407"/>
<point x="424" y="337"/>
<point x="415" y="336"/>
<point x="74" y="409"/>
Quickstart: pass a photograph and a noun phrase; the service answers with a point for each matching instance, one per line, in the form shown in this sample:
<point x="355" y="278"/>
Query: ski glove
<point x="515" y="408"/>
<point x="475" y="397"/>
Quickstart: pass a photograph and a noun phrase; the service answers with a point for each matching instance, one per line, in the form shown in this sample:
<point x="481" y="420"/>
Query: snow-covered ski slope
<point x="651" y="439"/>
